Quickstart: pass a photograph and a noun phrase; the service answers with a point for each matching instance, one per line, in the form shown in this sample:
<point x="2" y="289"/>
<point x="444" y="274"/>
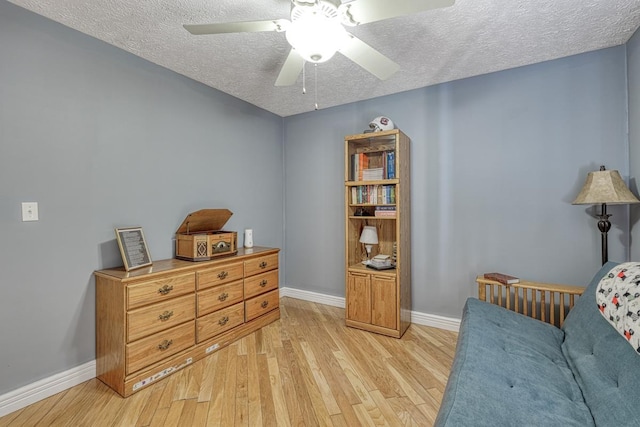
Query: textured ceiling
<point x="472" y="37"/>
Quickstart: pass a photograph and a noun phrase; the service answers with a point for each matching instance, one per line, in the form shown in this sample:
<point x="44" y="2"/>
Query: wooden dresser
<point x="156" y="320"/>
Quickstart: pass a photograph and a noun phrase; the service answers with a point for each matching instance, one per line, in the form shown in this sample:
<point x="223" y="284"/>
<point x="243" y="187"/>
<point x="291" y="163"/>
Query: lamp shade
<point x="605" y="186"/>
<point x="315" y="37"/>
<point x="369" y="235"/>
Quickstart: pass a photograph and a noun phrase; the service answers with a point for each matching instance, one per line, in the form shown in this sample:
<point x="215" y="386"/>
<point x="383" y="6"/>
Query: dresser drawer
<point x="163" y="315"/>
<point x="260" y="265"/>
<point x="260" y="283"/>
<point x="218" y="297"/>
<point x="143" y="293"/>
<point x="219" y="275"/>
<point x="156" y="347"/>
<point x="220" y="321"/>
<point x="261" y="304"/>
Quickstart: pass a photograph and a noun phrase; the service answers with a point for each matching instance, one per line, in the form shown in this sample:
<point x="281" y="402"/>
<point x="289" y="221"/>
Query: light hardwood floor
<point x="307" y="369"/>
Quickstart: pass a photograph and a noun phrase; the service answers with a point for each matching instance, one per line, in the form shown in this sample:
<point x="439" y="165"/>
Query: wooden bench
<point x="549" y="303"/>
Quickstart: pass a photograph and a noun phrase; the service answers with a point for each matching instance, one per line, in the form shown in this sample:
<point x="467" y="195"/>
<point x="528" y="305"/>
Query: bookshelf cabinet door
<point x="359" y="297"/>
<point x="384" y="302"/>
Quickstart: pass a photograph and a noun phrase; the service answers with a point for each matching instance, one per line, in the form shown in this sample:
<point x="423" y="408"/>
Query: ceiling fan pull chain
<point x="304" y="77"/>
<point x="315" y="69"/>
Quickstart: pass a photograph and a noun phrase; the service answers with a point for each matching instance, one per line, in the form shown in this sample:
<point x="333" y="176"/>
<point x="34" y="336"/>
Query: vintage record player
<point x="201" y="238"/>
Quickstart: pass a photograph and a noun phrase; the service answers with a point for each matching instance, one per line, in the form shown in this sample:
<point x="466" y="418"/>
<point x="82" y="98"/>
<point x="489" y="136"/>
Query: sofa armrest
<point x="547" y="302"/>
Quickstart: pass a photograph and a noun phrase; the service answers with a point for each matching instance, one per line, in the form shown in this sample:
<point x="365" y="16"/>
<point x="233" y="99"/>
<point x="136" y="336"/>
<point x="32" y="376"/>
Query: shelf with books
<point x="367" y="164"/>
<point x="373" y="194"/>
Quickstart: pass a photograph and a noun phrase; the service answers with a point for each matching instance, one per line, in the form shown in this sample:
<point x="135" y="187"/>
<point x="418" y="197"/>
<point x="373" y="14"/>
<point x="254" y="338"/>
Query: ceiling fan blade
<point x="368" y="58"/>
<point x="364" y="11"/>
<point x="290" y="69"/>
<point x="238" y="27"/>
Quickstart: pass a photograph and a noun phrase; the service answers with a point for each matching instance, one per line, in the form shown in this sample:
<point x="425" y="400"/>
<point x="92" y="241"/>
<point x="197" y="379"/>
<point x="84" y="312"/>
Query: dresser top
<point x="176" y="265"/>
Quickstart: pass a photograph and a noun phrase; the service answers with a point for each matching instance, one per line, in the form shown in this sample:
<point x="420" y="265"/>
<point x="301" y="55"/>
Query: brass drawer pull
<point x="223" y="321"/>
<point x="263" y="264"/>
<point x="165" y="289"/>
<point x="263" y="283"/>
<point x="165" y="344"/>
<point x="166" y="315"/>
<point x="223" y="296"/>
<point x="222" y="275"/>
<point x="264" y="304"/>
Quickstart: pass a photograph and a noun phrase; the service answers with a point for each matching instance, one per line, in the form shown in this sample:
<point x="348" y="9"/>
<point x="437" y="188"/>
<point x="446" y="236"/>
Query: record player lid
<point x="205" y="220"/>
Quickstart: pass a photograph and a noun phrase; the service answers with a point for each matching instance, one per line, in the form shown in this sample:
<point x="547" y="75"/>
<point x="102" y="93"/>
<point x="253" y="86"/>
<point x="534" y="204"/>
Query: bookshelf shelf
<point x="377" y="191"/>
<point x="374" y="182"/>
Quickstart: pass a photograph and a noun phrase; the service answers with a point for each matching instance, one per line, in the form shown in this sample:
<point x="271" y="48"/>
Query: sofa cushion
<point x="509" y="370"/>
<point x="605" y="366"/>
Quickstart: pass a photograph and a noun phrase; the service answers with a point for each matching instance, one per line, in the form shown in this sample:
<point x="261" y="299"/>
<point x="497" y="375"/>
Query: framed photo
<point x="133" y="247"/>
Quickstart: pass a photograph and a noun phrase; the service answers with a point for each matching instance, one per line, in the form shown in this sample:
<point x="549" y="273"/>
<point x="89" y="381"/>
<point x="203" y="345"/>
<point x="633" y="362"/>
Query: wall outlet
<point x="29" y="211"/>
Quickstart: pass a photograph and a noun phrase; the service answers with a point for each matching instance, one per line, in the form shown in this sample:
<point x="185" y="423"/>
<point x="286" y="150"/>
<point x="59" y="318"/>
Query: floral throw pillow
<point x="618" y="299"/>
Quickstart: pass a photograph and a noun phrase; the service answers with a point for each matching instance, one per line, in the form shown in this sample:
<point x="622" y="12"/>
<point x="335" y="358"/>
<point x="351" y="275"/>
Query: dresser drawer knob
<point x="263" y="283"/>
<point x="264" y="304"/>
<point x="165" y="344"/>
<point x="222" y="275"/>
<point x="223" y="296"/>
<point x="165" y="289"/>
<point x="263" y="264"/>
<point x="223" y="321"/>
<point x="166" y="315"/>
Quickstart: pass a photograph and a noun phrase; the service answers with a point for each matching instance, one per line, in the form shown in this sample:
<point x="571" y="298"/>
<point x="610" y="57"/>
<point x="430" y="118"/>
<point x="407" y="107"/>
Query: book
<point x="505" y="279"/>
<point x="391" y="164"/>
<point x="372" y="174"/>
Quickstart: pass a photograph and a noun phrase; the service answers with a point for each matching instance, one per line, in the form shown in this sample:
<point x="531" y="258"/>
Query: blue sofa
<point x="512" y="370"/>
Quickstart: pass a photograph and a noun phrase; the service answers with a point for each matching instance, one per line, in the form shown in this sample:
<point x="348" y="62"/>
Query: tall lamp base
<point x="604" y="225"/>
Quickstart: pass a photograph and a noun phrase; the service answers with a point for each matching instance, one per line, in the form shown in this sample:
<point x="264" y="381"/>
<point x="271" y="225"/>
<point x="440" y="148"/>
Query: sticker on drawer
<point x="161" y="374"/>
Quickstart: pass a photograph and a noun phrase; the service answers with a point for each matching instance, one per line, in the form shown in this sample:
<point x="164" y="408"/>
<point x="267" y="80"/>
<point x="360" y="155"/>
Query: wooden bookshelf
<point x="378" y="300"/>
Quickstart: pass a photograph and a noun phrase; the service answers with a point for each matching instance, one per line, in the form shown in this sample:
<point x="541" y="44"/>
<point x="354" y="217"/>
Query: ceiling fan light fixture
<point x="315" y="36"/>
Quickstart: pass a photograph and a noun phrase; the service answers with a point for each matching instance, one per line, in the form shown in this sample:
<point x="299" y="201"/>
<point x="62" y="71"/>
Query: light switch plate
<point x="29" y="211"/>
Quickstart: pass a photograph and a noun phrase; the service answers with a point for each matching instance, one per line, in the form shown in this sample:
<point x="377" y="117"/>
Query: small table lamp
<point x="369" y="237"/>
<point x="602" y="187"/>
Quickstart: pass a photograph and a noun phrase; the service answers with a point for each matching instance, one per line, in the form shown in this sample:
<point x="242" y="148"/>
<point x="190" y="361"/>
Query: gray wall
<point x="496" y="163"/>
<point x="101" y="139"/>
<point x="633" y="76"/>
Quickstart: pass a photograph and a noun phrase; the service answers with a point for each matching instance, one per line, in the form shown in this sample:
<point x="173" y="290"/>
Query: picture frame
<point x="133" y="247"/>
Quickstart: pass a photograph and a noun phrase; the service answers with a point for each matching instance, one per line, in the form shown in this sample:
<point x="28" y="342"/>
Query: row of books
<point x="373" y="166"/>
<point x="373" y="194"/>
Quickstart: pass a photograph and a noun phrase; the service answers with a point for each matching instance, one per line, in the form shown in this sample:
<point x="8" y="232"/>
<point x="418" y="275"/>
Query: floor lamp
<point x="601" y="188"/>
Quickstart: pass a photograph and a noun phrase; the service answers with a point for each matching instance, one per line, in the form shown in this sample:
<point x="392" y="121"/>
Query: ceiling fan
<point x="316" y="31"/>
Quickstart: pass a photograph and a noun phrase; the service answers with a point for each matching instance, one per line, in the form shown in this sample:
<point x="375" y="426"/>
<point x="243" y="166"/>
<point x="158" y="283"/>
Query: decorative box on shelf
<point x="201" y="238"/>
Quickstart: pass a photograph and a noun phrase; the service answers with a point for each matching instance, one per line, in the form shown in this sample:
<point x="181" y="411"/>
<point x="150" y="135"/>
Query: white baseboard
<point x="312" y="297"/>
<point x="31" y="393"/>
<point x="425" y="319"/>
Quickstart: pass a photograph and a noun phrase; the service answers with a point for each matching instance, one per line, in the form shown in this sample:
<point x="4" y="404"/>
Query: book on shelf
<point x="391" y="164"/>
<point x="505" y="279"/>
<point x="385" y="211"/>
<point x="372" y="174"/>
